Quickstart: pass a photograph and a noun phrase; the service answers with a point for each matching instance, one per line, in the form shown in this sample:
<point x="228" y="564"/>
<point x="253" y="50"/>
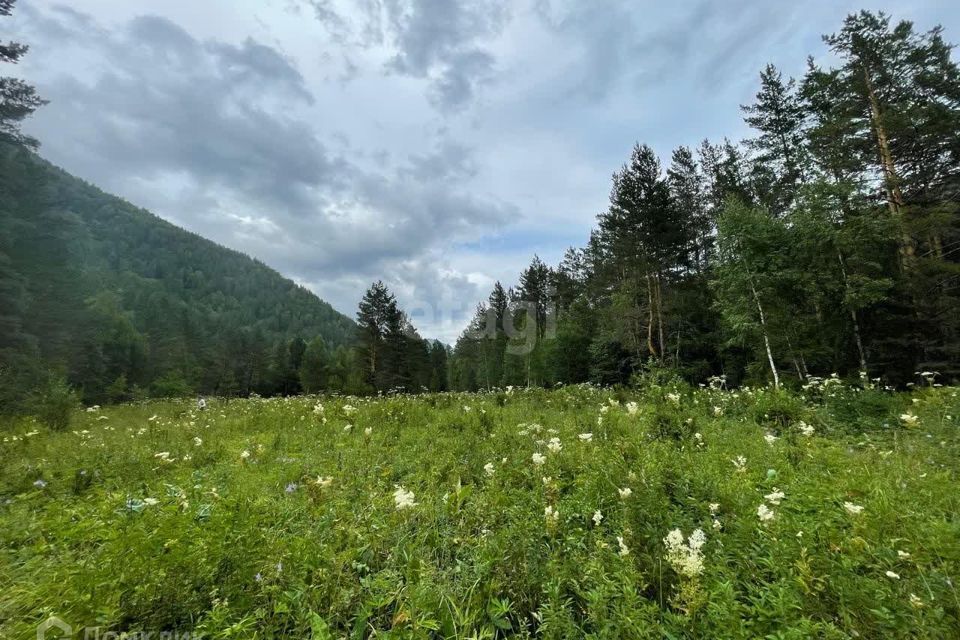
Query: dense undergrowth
<point x="830" y="513"/>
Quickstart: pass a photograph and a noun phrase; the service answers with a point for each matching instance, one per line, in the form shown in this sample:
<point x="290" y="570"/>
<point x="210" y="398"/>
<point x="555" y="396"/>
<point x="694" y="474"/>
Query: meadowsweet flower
<point x="765" y="513"/>
<point x="685" y="558"/>
<point x="915" y="601"/>
<point x="624" y="549"/>
<point x="585" y="437"/>
<point x="538" y="458"/>
<point x="555" y="445"/>
<point x="368" y="431"/>
<point x="349" y="409"/>
<point x="40" y="483"/>
<point x="714" y="508"/>
<point x="892" y="575"/>
<point x="909" y="419"/>
<point x="347" y="428"/>
<point x="740" y="464"/>
<point x="770" y="438"/>
<point x="244" y="454"/>
<point x="323" y="481"/>
<point x="551" y="514"/>
<point x="625" y="492"/>
<point x="150" y="501"/>
<point x="718" y="411"/>
<point x="488" y="468"/>
<point x="597" y="517"/>
<point x="632" y="408"/>
<point x="164" y="456"/>
<point x="775" y="497"/>
<point x="902" y="554"/>
<point x="197" y="441"/>
<point x="852" y="509"/>
<point x="403" y="498"/>
<point x="674" y="398"/>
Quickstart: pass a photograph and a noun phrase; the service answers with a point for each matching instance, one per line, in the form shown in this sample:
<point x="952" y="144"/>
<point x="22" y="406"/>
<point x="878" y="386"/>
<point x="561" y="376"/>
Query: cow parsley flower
<point x="765" y="513"/>
<point x="852" y="509"/>
<point x="909" y="419"/>
<point x="775" y="497"/>
<point x="403" y="498"/>
<point x="685" y="558"/>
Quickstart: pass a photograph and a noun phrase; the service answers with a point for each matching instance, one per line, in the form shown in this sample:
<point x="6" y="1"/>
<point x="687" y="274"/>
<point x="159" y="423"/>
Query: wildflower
<point x="152" y="418"/>
<point x="40" y="484"/>
<point x="805" y="429"/>
<point x="915" y="601"/>
<point x="686" y="559"/>
<point x="318" y="409"/>
<point x="625" y="493"/>
<point x="488" y="468"/>
<point x="718" y="411"/>
<point x="852" y="509"/>
<point x="323" y="481"/>
<point x="765" y="513"/>
<point x="164" y="456"/>
<point x="902" y="554"/>
<point x="555" y="445"/>
<point x="674" y="398"/>
<point x="349" y="410"/>
<point x="551" y="514"/>
<point x="740" y="463"/>
<point x="585" y="437"/>
<point x="714" y="508"/>
<point x="403" y="498"/>
<point x="244" y="454"/>
<point x="290" y="488"/>
<point x="632" y="408"/>
<point x="197" y="441"/>
<point x="150" y="501"/>
<point x="770" y="438"/>
<point x="624" y="550"/>
<point x="368" y="431"/>
<point x="539" y="458"/>
<point x="892" y="575"/>
<point x="597" y="517"/>
<point x="775" y="497"/>
<point x="909" y="419"/>
<point x="347" y="428"/>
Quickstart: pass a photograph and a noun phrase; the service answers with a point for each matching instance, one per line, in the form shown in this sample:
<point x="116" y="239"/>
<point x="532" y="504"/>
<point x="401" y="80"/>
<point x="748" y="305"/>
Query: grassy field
<point x="667" y="512"/>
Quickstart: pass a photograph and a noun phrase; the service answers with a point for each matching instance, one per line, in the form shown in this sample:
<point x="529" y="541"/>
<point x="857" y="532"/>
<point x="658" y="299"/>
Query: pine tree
<point x="17" y="98"/>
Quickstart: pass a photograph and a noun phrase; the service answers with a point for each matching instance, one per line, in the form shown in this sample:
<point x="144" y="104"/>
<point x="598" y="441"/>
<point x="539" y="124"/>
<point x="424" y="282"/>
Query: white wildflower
<point x="197" y="441"/>
<point x="765" y="513"/>
<point x="909" y="419"/>
<point x="740" y="463"/>
<point x="586" y="437"/>
<point x="245" y="454"/>
<point x="632" y="408"/>
<point x="775" y="497"/>
<point x="686" y="559"/>
<point x="403" y="498"/>
<point x="852" y="509"/>
<point x="805" y="428"/>
<point x="555" y="445"/>
<point x="770" y="438"/>
<point x="624" y="549"/>
<point x="488" y="468"/>
<point x="538" y="458"/>
<point x="597" y="517"/>
<point x="892" y="575"/>
<point x="625" y="492"/>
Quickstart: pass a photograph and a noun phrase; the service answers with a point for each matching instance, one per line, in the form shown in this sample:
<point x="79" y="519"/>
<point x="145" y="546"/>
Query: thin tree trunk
<point x="650" y="347"/>
<point x="766" y="338"/>
<point x="853" y="316"/>
<point x="663" y="343"/>
<point x="891" y="180"/>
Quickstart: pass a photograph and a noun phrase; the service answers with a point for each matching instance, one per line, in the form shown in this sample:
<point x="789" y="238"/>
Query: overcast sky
<point x="433" y="144"/>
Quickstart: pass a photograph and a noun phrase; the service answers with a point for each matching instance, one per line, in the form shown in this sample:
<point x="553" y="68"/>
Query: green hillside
<point x="123" y="303"/>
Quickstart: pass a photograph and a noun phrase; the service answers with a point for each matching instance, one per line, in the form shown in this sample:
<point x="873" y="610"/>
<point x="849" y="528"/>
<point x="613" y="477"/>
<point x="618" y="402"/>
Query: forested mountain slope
<point x="121" y="302"/>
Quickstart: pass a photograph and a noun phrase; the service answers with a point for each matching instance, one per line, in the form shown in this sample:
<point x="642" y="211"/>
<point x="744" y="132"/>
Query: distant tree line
<point x="828" y="242"/>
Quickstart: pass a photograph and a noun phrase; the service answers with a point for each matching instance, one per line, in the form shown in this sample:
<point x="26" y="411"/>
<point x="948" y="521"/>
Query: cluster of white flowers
<point x="624" y="549"/>
<point x="770" y="438"/>
<point x="538" y="458"/>
<point x="686" y="557"/>
<point x="349" y="410"/>
<point x="244" y="454"/>
<point x="805" y="428"/>
<point x="632" y="408"/>
<point x="775" y="497"/>
<point x="403" y="498"/>
<point x="674" y="398"/>
<point x="853" y="509"/>
<point x="555" y="445"/>
<point x="551" y="514"/>
<point x="164" y="456"/>
<point x="488" y="468"/>
<point x="585" y="437"/>
<point x="625" y="492"/>
<point x="597" y="517"/>
<point x="765" y="513"/>
<point x="909" y="419"/>
<point x="714" y="513"/>
<point x="718" y="411"/>
<point x="368" y="431"/>
<point x="323" y="481"/>
<point x="740" y="464"/>
<point x="197" y="441"/>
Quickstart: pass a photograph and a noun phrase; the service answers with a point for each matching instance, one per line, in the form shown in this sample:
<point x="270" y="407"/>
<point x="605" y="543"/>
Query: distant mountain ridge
<point x="120" y="300"/>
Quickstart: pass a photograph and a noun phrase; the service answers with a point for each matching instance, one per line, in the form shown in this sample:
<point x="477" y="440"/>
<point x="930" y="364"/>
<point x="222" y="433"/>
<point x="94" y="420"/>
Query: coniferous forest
<point x="828" y="242"/>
